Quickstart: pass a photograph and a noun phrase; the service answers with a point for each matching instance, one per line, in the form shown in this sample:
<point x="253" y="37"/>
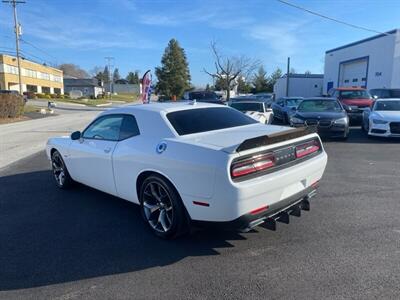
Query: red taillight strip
<point x="258" y="210"/>
<point x="307" y="148"/>
<point x="254" y="164"/>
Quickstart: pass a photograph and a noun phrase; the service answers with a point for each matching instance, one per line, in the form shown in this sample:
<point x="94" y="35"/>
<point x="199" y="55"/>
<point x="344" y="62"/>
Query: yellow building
<point x="35" y="77"/>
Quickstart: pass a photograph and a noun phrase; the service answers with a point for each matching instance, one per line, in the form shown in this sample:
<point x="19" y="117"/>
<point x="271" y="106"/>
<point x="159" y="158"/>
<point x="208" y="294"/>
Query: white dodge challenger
<point x="189" y="164"/>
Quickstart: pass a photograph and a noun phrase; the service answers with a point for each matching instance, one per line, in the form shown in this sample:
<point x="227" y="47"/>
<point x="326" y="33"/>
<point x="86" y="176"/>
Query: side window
<point x="104" y="128"/>
<point x="129" y="128"/>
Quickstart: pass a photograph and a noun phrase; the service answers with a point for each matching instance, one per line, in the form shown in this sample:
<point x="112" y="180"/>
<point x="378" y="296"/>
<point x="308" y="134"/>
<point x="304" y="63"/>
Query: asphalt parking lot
<point x="82" y="243"/>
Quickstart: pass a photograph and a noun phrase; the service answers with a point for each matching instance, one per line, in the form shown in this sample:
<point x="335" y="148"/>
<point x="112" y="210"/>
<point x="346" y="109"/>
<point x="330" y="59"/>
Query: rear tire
<point x="60" y="171"/>
<point x="162" y="208"/>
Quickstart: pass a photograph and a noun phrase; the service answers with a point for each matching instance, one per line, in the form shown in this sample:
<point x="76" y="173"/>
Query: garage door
<point x="354" y="73"/>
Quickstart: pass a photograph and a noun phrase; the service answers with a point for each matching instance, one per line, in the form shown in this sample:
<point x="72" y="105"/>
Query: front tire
<point x="162" y="208"/>
<point x="60" y="171"/>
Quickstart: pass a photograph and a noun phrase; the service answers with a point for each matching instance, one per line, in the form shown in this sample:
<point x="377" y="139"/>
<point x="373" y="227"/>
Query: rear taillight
<point x="252" y="165"/>
<point x="307" y="148"/>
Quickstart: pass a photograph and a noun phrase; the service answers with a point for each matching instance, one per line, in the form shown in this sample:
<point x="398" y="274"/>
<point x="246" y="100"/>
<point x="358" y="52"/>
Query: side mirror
<point x="76" y="135"/>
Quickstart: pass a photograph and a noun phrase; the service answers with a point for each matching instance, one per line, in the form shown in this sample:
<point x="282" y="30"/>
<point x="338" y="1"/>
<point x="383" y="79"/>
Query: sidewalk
<point x="22" y="139"/>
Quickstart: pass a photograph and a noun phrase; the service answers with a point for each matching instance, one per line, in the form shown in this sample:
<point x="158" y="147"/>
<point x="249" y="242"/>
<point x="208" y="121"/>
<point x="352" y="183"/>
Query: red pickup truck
<point x="354" y="100"/>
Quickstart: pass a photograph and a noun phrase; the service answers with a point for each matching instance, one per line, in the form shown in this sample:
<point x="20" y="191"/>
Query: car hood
<point x="320" y="115"/>
<point x="393" y="116"/>
<point x="357" y="102"/>
<point x="228" y="139"/>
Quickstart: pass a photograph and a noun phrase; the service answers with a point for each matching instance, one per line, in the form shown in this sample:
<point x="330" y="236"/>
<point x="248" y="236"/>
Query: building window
<point x="11" y="69"/>
<point x="31" y="88"/>
<point x="355" y="79"/>
<point x="346" y="81"/>
<point x="315" y="85"/>
<point x="364" y="79"/>
<point x="56" y="78"/>
<point x="45" y="76"/>
<point x="30" y="73"/>
<point x="57" y="91"/>
<point x="45" y="90"/>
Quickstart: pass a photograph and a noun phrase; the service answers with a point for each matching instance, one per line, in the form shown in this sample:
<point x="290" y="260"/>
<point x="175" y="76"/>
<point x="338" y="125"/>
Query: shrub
<point x="11" y="106"/>
<point x="40" y="95"/>
<point x="47" y="96"/>
<point x="61" y="96"/>
<point x="66" y="96"/>
<point x="53" y="96"/>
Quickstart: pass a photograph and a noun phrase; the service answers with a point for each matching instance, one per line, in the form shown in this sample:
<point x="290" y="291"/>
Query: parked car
<point x="383" y="119"/>
<point x="327" y="115"/>
<point x="204" y="96"/>
<point x="266" y="97"/>
<point x="354" y="101"/>
<point x="385" y="93"/>
<point x="284" y="107"/>
<point x="187" y="164"/>
<point x="257" y="110"/>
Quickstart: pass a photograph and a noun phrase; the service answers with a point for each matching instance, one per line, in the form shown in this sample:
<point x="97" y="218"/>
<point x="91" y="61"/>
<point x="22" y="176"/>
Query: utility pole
<point x="17" y="29"/>
<point x="109" y="59"/>
<point x="287" y="77"/>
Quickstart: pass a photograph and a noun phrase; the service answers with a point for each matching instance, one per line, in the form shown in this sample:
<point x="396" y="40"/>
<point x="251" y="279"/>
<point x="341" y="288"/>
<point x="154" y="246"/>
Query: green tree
<point x="106" y="75"/>
<point x="173" y="74"/>
<point x="116" y="75"/>
<point x="133" y="77"/>
<point x="274" y="77"/>
<point x="243" y="86"/>
<point x="260" y="81"/>
<point x="208" y="87"/>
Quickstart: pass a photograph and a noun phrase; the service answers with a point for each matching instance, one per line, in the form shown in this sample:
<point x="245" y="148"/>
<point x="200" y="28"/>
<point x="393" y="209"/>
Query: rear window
<point x="363" y="94"/>
<point x="244" y="107"/>
<point x="207" y="119"/>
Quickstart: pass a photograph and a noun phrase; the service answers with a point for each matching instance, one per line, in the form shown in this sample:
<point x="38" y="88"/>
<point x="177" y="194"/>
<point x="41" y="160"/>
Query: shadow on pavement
<point x="50" y="236"/>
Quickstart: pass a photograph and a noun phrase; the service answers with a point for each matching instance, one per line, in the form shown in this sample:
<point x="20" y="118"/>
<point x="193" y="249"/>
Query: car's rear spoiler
<point x="275" y="138"/>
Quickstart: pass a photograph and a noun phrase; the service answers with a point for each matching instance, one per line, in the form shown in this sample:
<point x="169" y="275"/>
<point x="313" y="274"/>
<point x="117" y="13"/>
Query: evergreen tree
<point x="243" y="86"/>
<point x="208" y="87"/>
<point x="274" y="77"/>
<point x="106" y="75"/>
<point x="173" y="74"/>
<point x="116" y="75"/>
<point x="260" y="81"/>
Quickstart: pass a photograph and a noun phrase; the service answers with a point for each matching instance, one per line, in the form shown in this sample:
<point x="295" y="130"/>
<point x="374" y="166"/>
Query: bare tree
<point x="228" y="69"/>
<point x="73" y="71"/>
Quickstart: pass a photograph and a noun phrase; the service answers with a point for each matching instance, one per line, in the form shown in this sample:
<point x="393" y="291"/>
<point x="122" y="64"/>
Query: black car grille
<point x="318" y="123"/>
<point x="395" y="127"/>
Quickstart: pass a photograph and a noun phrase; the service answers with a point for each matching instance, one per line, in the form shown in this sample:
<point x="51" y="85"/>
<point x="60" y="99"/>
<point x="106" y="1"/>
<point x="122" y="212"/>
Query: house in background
<point x="35" y="77"/>
<point x="122" y="86"/>
<point x="300" y="85"/>
<point x="90" y="87"/>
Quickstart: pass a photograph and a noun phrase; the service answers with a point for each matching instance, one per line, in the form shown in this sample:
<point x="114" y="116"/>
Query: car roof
<point x="165" y="106"/>
<point x="289" y="98"/>
<point x="248" y="101"/>
<point x="387" y="99"/>
<point x="349" y="89"/>
<point x="320" y="98"/>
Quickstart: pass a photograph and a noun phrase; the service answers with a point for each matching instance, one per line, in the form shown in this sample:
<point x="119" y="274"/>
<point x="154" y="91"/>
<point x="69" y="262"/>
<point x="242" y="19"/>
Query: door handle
<point x="107" y="150"/>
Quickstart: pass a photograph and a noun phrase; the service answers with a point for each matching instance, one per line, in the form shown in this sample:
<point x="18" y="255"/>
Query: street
<point x="81" y="243"/>
<point x="18" y="140"/>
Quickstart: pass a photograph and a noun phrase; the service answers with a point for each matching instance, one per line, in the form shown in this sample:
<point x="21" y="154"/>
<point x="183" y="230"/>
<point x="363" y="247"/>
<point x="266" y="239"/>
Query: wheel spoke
<point x="152" y="208"/>
<point x="153" y="192"/>
<point x="162" y="220"/>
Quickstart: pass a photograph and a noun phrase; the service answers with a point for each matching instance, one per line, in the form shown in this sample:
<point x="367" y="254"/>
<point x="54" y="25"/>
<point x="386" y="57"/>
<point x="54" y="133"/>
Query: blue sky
<point x="136" y="32"/>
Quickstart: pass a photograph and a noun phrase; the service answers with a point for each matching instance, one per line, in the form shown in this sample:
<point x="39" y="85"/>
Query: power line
<point x="39" y="49"/>
<point x="330" y="18"/>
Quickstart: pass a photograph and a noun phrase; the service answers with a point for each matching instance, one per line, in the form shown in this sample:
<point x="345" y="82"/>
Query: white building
<point x="300" y="85"/>
<point x="371" y="63"/>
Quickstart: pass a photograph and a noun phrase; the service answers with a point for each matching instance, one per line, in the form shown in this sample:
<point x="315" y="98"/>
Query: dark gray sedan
<point x="284" y="107"/>
<point x="327" y="115"/>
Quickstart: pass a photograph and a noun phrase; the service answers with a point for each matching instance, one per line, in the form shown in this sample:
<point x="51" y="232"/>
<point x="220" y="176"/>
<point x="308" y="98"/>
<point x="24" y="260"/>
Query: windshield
<point x="243" y="107"/>
<point x="203" y="95"/>
<point x="207" y="119"/>
<point x="387" y="105"/>
<point x="293" y="102"/>
<point x="319" y="106"/>
<point x="355" y="94"/>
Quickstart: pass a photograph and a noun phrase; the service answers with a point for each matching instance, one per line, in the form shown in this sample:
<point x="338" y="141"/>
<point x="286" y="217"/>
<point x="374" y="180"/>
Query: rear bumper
<point x="279" y="211"/>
